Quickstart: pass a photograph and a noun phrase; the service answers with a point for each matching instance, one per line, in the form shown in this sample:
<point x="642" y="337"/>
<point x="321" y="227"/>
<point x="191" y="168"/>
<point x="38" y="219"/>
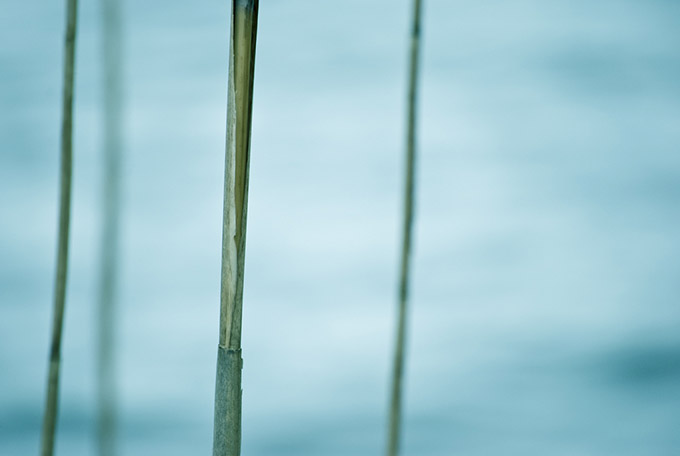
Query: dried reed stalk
<point x="394" y="431"/>
<point x="52" y="399"/>
<point x="227" y="425"/>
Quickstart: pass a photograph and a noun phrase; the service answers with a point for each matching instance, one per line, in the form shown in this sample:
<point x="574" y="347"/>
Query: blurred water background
<point x="545" y="317"/>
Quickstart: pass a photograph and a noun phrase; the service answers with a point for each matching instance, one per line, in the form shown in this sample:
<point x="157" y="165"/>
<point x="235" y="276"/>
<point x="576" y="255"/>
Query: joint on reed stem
<point x="227" y="430"/>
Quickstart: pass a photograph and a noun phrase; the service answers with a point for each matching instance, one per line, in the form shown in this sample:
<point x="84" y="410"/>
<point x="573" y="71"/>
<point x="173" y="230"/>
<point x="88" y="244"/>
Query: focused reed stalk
<point x="52" y="399"/>
<point x="110" y="234"/>
<point x="394" y="431"/>
<point x="227" y="425"/>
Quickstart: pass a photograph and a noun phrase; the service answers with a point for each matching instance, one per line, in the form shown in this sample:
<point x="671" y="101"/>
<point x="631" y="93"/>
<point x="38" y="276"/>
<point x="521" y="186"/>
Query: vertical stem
<point x="112" y="144"/>
<point x="398" y="366"/>
<point x="51" y="404"/>
<point x="227" y="426"/>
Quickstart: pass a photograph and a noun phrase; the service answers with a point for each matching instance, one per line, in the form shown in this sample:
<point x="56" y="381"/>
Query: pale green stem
<point x="227" y="425"/>
<point x="394" y="431"/>
<point x="108" y="281"/>
<point x="52" y="399"/>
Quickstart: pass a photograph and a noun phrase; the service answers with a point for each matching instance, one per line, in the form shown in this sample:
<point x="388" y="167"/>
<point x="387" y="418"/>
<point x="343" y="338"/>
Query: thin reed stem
<point x="227" y="425"/>
<point x="110" y="234"/>
<point x="51" y="403"/>
<point x="394" y="432"/>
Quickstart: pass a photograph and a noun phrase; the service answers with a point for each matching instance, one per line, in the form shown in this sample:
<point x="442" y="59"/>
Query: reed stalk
<point x="110" y="234"/>
<point x="52" y="399"/>
<point x="227" y="424"/>
<point x="394" y="431"/>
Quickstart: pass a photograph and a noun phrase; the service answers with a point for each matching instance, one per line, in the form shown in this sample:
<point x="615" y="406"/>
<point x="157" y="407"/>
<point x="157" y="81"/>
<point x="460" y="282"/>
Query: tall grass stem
<point x="52" y="399"/>
<point x="110" y="230"/>
<point x="396" y="397"/>
<point x="227" y="424"/>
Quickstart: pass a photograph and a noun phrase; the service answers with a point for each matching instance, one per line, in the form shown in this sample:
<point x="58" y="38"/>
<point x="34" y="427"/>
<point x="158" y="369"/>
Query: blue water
<point x="545" y="317"/>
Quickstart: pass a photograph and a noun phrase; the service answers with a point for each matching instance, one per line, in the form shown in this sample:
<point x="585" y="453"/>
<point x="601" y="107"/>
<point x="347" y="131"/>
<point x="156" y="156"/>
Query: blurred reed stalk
<point x="110" y="234"/>
<point x="394" y="431"/>
<point x="51" y="403"/>
<point x="227" y="425"/>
